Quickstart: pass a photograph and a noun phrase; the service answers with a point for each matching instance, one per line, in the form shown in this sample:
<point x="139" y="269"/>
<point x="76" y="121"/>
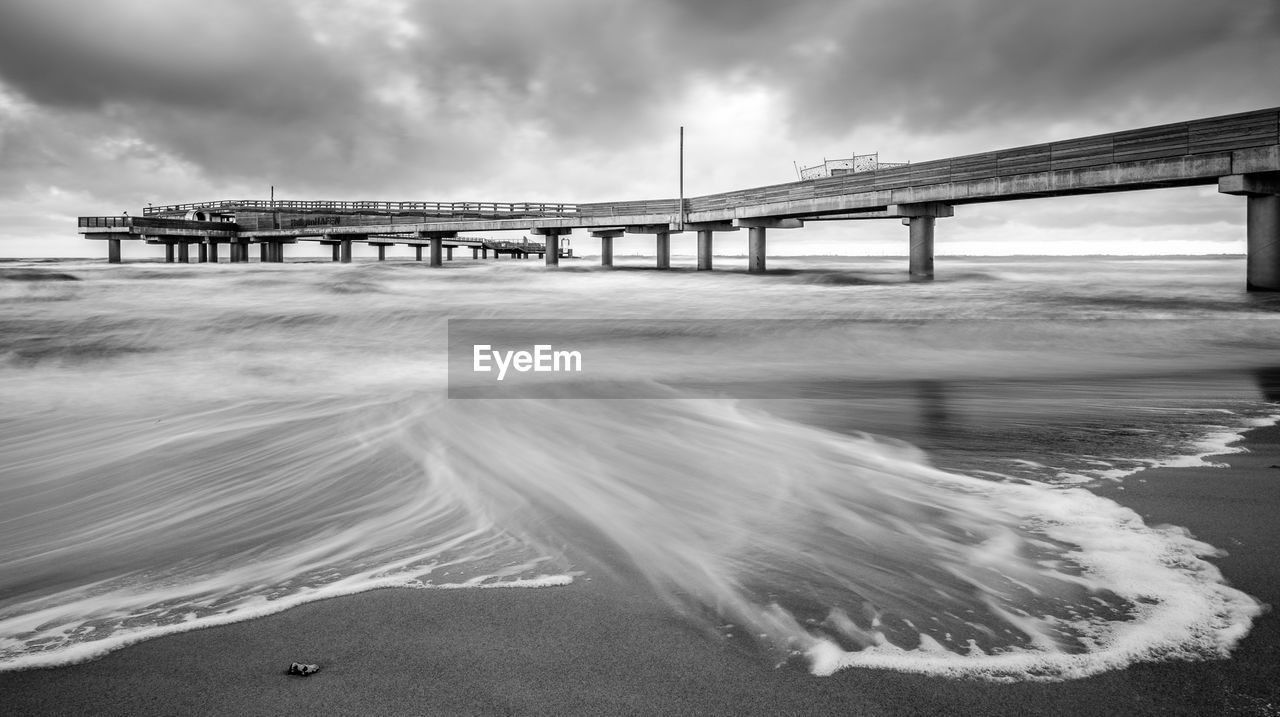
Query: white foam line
<point x="1181" y="608"/>
<point x="87" y="651"/>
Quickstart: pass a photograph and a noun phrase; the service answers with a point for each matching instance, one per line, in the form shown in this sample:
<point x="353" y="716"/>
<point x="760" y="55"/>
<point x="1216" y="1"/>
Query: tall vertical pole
<point x="682" y="177"/>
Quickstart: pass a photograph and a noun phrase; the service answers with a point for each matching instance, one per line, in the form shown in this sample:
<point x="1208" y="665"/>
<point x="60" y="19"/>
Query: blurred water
<point x="185" y="445"/>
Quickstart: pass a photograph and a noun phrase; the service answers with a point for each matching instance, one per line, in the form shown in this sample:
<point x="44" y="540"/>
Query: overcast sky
<point x="106" y="106"/>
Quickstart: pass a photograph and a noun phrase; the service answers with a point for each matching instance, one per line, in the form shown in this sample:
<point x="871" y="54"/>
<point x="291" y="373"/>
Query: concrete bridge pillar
<point x="756" y="245"/>
<point x="202" y="251"/>
<point x="704" y="249"/>
<point x="264" y="252"/>
<point x="417" y="252"/>
<point x="1262" y="226"/>
<point x="920" y="220"/>
<point x="184" y="252"/>
<point x="756" y="251"/>
<point x="113" y="250"/>
<point x="475" y="252"/>
<point x="345" y="251"/>
<point x="213" y="250"/>
<point x="662" y="240"/>
<point x="1263" y="240"/>
<point x="484" y="252"/>
<point x="168" y="252"/>
<point x="606" y="237"/>
<point x="552" y="237"/>
<point x="706" y="233"/>
<point x="921" y="262"/>
<point x="448" y="253"/>
<point x="437" y="244"/>
<point x="382" y="252"/>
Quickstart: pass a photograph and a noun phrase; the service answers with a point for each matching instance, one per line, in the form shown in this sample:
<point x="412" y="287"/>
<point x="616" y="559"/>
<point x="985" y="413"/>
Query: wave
<point x="177" y="454"/>
<point x="846" y="550"/>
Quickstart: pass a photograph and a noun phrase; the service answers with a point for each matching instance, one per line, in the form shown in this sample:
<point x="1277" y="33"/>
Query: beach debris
<point x="302" y="670"/>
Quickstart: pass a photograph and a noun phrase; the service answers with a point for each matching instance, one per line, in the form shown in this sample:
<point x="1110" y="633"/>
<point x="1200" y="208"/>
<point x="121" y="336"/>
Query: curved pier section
<point x="1240" y="153"/>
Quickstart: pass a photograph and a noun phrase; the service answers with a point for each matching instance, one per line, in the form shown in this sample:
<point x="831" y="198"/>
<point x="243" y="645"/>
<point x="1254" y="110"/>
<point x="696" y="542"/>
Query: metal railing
<point x="436" y="208"/>
<point x="104" y="222"/>
<point x="1214" y="136"/>
<point x="126" y="222"/>
<point x="506" y="245"/>
<point x="852" y="165"/>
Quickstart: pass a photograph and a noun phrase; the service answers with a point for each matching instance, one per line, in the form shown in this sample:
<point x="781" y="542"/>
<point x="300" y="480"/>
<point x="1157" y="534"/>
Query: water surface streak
<point x="189" y="445"/>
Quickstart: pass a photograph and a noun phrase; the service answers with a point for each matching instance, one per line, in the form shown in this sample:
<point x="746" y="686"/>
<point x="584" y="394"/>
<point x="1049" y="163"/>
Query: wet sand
<point x="604" y="646"/>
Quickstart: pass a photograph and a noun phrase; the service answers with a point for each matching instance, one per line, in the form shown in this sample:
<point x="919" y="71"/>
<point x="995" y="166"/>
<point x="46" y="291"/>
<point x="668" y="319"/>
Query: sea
<point x="833" y="463"/>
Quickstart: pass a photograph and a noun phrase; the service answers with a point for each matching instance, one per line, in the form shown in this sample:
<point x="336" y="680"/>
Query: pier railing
<point x="356" y="207"/>
<point x="104" y="222"/>
<point x="1182" y="139"/>
<point x="126" y="222"/>
<point x="1198" y="138"/>
<point x="618" y="209"/>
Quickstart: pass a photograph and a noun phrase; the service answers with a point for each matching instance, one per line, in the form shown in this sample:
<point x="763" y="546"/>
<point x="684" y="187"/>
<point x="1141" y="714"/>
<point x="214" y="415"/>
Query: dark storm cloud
<point x="933" y="65"/>
<point x="604" y="71"/>
<point x="927" y="65"/>
<point x="382" y="95"/>
<point x="195" y="55"/>
<point x="231" y="87"/>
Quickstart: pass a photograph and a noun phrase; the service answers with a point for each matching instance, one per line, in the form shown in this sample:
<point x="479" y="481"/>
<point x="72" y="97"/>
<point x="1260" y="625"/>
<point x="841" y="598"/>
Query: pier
<point x="1239" y="153"/>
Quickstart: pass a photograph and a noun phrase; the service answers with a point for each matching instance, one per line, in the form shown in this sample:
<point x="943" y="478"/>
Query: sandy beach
<point x="605" y="645"/>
